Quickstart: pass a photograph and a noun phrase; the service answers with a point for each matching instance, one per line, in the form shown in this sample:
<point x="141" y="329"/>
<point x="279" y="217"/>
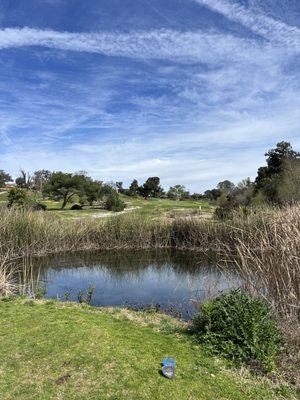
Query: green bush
<point x="240" y="327"/>
<point x="23" y="198"/>
<point x="18" y="197"/>
<point x="114" y="203"/>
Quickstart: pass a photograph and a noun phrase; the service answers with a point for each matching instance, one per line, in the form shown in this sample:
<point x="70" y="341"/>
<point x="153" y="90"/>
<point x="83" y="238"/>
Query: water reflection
<point x="169" y="278"/>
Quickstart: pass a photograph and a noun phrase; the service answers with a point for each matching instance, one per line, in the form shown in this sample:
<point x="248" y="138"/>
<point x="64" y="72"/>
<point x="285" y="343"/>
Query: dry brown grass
<point x="8" y="285"/>
<point x="25" y="232"/>
<point x="267" y="255"/>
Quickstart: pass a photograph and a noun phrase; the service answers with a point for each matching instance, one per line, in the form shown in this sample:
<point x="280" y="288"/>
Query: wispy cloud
<point x="188" y="104"/>
<point x="259" y="23"/>
<point x="162" y="44"/>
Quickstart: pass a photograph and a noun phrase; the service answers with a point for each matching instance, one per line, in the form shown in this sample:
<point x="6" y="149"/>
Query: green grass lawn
<point x="51" y="350"/>
<point x="136" y="205"/>
<point x="154" y="208"/>
<point x="159" y="207"/>
<point x="3" y="195"/>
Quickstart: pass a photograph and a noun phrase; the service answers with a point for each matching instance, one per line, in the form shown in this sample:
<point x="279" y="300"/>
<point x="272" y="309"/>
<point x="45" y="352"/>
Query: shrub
<point x="23" y="198"/>
<point x="224" y="211"/>
<point x="18" y="197"/>
<point x="114" y="203"/>
<point x="240" y="327"/>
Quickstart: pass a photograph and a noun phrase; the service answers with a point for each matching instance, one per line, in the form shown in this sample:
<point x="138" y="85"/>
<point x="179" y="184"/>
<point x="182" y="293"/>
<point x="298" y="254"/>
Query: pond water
<point x="170" y="279"/>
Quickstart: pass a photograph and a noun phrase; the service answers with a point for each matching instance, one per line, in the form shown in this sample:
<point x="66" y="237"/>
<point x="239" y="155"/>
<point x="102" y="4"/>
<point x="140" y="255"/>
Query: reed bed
<point x="24" y="232"/>
<point x="267" y="256"/>
<point x="8" y="285"/>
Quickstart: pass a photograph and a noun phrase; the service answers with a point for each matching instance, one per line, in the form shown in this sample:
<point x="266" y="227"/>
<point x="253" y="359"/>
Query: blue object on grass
<point x="168" y="367"/>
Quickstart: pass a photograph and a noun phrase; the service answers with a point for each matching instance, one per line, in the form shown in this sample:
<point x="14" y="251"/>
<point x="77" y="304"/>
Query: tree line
<point x="60" y="186"/>
<point x="278" y="182"/>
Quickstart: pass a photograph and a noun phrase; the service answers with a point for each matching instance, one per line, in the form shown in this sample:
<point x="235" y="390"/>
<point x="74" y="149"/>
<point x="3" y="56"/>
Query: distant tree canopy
<point x="91" y="191"/>
<point x="24" y="181"/>
<point x="40" y="178"/>
<point x="270" y="178"/>
<point x="134" y="188"/>
<point x="151" y="188"/>
<point x="289" y="188"/>
<point x="278" y="182"/>
<point x="212" y="194"/>
<point x="4" y="178"/>
<point x="226" y="187"/>
<point x="65" y="185"/>
<point x="178" y="192"/>
<point x="119" y="187"/>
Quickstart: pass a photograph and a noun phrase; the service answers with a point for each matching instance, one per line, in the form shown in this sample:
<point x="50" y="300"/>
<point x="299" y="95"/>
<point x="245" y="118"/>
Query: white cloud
<point x="160" y="44"/>
<point x="199" y="159"/>
<point x="259" y="23"/>
<point x="185" y="123"/>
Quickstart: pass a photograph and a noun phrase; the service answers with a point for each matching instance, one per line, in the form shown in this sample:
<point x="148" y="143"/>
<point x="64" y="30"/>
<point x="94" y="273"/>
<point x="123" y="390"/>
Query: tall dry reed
<point x="8" y="285"/>
<point x="267" y="255"/>
<point x="24" y="232"/>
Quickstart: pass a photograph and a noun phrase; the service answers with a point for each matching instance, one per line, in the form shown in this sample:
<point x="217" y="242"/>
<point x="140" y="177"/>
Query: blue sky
<point x="193" y="91"/>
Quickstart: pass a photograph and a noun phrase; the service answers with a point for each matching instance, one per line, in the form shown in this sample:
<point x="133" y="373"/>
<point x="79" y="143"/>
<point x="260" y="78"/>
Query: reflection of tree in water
<point x="197" y="271"/>
<point x="194" y="276"/>
<point x="131" y="263"/>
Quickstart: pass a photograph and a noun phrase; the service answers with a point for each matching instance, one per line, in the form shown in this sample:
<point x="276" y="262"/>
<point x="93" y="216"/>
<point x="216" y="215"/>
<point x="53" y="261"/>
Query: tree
<point x="243" y="193"/>
<point x="134" y="188"/>
<point x="269" y="178"/>
<point x="119" y="187"/>
<point x="92" y="191"/>
<point x="151" y="188"/>
<point x="65" y="185"/>
<point x="196" y="196"/>
<point x="177" y="192"/>
<point x="213" y="194"/>
<point x="289" y="187"/>
<point x="226" y="187"/>
<point x="4" y="178"/>
<point x="106" y="190"/>
<point x="40" y="178"/>
<point x="24" y="181"/>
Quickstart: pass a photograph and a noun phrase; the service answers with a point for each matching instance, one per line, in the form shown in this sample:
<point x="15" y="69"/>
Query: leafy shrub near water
<point x="240" y="327"/>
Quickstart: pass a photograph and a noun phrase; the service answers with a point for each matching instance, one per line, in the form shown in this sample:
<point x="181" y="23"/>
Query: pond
<point x="170" y="279"/>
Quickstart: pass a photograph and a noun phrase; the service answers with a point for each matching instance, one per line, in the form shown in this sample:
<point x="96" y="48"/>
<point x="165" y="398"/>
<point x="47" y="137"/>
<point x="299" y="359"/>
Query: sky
<point x="192" y="91"/>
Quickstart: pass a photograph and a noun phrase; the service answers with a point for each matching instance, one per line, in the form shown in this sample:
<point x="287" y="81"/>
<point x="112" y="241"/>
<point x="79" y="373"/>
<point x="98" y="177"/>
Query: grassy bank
<point x="51" y="350"/>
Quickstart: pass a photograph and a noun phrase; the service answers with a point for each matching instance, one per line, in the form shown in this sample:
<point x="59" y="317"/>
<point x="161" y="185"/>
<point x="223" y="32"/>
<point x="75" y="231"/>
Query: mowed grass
<point x="3" y="195"/>
<point x="51" y="350"/>
<point x="154" y="208"/>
